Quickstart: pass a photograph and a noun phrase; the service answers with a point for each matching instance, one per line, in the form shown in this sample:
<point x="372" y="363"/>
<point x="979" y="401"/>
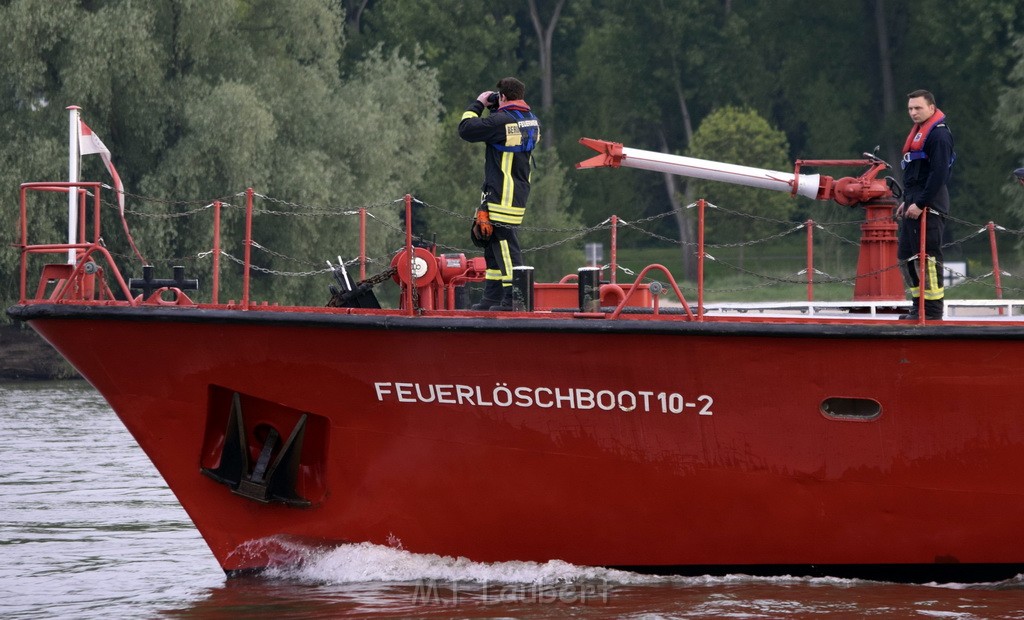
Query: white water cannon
<point x="847" y="191"/>
<point x="878" y="279"/>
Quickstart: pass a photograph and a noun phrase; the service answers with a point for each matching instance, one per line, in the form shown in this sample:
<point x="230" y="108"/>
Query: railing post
<point x="615" y="243"/>
<point x="810" y="259"/>
<point x="700" y="259"/>
<point x="83" y="204"/>
<point x="24" y="245"/>
<point x="362" y="243"/>
<point x="73" y="177"/>
<point x="95" y="214"/>
<point x="995" y="259"/>
<point x="922" y="257"/>
<point x="216" y="251"/>
<point x="412" y="257"/>
<point x="248" y="248"/>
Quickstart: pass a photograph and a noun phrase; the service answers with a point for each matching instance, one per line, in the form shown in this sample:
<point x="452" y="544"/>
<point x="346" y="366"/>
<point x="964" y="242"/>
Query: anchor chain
<point x="361" y="290"/>
<point x="383" y="276"/>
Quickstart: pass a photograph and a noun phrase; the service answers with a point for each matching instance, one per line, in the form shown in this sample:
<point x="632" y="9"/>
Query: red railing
<point x="79" y="280"/>
<point x="84" y="250"/>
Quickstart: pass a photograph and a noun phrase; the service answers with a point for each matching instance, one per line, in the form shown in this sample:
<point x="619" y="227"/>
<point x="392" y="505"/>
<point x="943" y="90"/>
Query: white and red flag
<point x="90" y="144"/>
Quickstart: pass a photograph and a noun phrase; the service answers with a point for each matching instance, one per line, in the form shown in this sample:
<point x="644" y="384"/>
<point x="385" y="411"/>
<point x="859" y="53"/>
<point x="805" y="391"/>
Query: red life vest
<point x="913" y="148"/>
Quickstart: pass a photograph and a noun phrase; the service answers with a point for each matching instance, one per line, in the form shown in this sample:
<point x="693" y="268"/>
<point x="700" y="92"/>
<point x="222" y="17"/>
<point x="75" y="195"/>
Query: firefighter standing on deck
<point x="927" y="158"/>
<point x="511" y="132"/>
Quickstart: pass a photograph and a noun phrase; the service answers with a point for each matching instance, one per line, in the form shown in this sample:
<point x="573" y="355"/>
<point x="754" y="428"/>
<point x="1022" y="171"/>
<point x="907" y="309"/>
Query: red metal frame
<point x="636" y="284"/>
<point x="82" y="188"/>
<point x="878" y="241"/>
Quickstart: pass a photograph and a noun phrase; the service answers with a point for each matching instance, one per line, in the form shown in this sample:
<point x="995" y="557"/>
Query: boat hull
<point x="612" y="443"/>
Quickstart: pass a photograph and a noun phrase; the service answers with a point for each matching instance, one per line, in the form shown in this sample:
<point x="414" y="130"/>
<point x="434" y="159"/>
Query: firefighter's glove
<point x="482" y="229"/>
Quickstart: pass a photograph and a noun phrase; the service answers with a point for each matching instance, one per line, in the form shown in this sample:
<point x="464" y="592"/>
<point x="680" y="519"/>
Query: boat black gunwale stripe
<point x="757" y="328"/>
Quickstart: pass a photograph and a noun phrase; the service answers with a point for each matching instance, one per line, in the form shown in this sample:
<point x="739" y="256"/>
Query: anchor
<point x="353" y="295"/>
<point x="266" y="482"/>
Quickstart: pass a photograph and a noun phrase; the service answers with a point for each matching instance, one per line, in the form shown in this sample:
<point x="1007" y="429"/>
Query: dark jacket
<point x="506" y="172"/>
<point x="925" y="180"/>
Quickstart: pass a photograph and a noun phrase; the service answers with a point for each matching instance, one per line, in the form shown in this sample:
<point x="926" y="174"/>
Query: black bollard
<point x="589" y="289"/>
<point x="522" y="289"/>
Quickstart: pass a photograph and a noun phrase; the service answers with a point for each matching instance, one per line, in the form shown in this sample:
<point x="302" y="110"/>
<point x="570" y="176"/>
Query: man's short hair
<point x="512" y="88"/>
<point x="930" y="98"/>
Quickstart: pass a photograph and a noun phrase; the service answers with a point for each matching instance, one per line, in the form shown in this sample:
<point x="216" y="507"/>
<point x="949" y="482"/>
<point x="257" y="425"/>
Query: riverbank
<point x="25" y="355"/>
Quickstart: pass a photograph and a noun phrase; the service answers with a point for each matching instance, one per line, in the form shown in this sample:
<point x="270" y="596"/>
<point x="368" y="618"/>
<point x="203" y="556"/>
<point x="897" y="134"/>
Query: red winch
<point x="435" y="278"/>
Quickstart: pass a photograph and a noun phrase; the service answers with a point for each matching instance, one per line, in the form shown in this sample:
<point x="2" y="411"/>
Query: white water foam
<point x="1014" y="583"/>
<point x="369" y="563"/>
<point x="365" y="562"/>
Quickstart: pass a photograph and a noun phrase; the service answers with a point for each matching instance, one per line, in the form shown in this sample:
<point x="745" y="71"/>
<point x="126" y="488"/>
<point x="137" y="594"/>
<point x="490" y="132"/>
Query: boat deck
<point x="956" y="309"/>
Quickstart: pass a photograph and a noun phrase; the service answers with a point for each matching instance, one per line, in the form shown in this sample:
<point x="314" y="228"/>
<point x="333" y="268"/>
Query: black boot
<point x="493" y="292"/>
<point x="934" y="309"/>
<point x="504" y="306"/>
<point x="912" y="315"/>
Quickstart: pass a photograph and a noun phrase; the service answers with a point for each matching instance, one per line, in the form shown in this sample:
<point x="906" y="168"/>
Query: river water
<point x="89" y="530"/>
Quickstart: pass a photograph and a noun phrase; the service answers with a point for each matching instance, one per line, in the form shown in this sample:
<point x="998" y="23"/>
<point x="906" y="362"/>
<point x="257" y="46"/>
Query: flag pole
<point x="73" y="174"/>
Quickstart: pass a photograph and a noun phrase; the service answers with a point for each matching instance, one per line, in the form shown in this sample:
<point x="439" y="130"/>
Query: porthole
<point x="845" y="408"/>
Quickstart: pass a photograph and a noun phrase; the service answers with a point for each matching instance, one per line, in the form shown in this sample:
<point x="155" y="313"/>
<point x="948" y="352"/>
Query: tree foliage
<point x="742" y="137"/>
<point x="1009" y="120"/>
<point x="199" y="100"/>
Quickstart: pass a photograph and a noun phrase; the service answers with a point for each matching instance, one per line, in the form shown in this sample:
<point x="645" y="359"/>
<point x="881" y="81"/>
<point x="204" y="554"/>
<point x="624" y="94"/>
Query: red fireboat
<point x="622" y="432"/>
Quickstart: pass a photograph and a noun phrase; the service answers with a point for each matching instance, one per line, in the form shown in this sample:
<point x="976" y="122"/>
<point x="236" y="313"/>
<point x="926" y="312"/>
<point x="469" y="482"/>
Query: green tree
<point x="974" y="63"/>
<point x="544" y="31"/>
<point x="200" y="100"/>
<point x="680" y="51"/>
<point x="815" y="76"/>
<point x="742" y="137"/>
<point x="468" y="58"/>
<point x="1009" y="119"/>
